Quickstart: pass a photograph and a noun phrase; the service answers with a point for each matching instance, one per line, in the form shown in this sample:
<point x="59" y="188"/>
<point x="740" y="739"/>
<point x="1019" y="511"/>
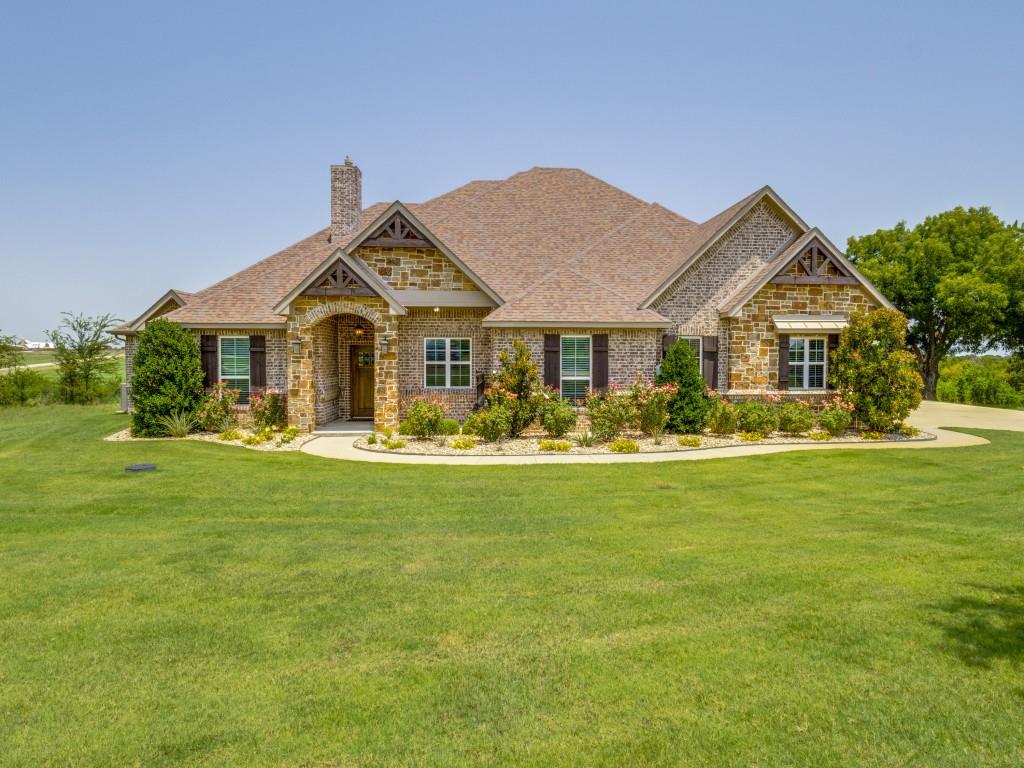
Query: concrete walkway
<point x="930" y="417"/>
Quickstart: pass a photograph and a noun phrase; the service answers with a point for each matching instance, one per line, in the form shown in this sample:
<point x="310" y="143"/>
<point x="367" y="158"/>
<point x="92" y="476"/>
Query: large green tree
<point x="957" y="276"/>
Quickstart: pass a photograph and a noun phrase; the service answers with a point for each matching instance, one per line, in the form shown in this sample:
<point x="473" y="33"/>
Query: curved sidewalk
<point x="929" y="417"/>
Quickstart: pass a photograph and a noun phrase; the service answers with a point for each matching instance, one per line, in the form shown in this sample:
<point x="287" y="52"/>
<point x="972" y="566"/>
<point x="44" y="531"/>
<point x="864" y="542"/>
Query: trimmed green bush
<point x="689" y="441"/>
<point x="755" y="417"/>
<point x="554" y="445"/>
<point x="795" y="418"/>
<point x="688" y="408"/>
<point x="874" y="371"/>
<point x="463" y="443"/>
<point x="625" y="445"/>
<point x="557" y="416"/>
<point x="721" y="416"/>
<point x="449" y="427"/>
<point x="167" y="377"/>
<point x="490" y="424"/>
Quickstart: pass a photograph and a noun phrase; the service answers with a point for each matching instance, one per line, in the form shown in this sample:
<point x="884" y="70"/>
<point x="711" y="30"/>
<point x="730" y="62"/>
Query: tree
<point x="957" y="276"/>
<point x="688" y="408"/>
<point x="874" y="371"/>
<point x="167" y="377"/>
<point x="10" y="354"/>
<point x="84" y="359"/>
<point x="516" y="386"/>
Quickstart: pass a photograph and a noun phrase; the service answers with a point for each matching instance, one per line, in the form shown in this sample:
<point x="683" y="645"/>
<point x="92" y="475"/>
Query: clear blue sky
<point x="143" y="148"/>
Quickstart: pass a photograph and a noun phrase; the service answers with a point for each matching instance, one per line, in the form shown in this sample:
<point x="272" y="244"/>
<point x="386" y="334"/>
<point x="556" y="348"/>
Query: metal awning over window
<point x="823" y="323"/>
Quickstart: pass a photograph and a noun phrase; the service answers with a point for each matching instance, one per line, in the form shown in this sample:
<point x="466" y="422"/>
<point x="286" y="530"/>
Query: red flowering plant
<point x="269" y="409"/>
<point x="216" y="412"/>
<point x="650" y="403"/>
<point x="835" y="415"/>
<point x="611" y="412"/>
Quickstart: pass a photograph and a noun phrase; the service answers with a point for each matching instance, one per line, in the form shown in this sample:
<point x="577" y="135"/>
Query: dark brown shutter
<point x="709" y="363"/>
<point x="208" y="356"/>
<point x="666" y="343"/>
<point x="833" y="345"/>
<point x="257" y="361"/>
<point x="552" y="360"/>
<point x="783" y="361"/>
<point x="599" y="361"/>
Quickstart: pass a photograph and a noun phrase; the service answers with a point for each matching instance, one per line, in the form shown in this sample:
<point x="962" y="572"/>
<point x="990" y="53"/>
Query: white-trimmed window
<point x="447" y="363"/>
<point x="807" y="362"/>
<point x="234" y="364"/>
<point x="575" y="373"/>
<point x="696" y="344"/>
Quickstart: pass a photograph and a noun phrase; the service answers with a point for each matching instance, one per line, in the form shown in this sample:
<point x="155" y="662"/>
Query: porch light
<point x="359" y="331"/>
<point x="437" y="309"/>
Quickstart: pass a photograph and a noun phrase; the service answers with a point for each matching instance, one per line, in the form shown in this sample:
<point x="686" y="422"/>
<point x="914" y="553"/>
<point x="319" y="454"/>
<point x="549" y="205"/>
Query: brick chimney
<point x="346" y="199"/>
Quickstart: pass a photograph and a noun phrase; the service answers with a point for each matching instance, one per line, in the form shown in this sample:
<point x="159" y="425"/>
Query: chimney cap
<point x="348" y="160"/>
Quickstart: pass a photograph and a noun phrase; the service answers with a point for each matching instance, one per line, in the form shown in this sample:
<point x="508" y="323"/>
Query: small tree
<point x="85" y="361"/>
<point x="874" y="371"/>
<point x="167" y="377"/>
<point x="517" y="386"/>
<point x="688" y="408"/>
<point x="10" y="354"/>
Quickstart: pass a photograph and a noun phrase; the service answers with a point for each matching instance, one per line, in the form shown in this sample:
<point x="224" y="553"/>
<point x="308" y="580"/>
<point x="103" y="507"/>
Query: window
<point x="575" y="367"/>
<point x="446" y="363"/>
<point x="806" y="363"/>
<point x="234" y="364"/>
<point x="695" y="344"/>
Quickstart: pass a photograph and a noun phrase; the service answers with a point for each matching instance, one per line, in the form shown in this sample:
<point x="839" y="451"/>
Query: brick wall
<point x="424" y="269"/>
<point x="753" y="343"/>
<point x="692" y="302"/>
<point x="422" y="323"/>
<point x="277" y="350"/>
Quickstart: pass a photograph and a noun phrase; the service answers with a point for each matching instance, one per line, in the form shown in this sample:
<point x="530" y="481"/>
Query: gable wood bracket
<point x="340" y="281"/>
<point x="396" y="232"/>
<point x="814" y="266"/>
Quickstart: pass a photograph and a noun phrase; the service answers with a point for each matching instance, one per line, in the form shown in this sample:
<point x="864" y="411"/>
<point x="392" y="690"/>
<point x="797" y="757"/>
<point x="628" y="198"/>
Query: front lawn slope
<point x="237" y="608"/>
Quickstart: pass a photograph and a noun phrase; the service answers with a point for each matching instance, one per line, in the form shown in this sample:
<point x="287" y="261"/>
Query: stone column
<point x="385" y="399"/>
<point x="301" y="396"/>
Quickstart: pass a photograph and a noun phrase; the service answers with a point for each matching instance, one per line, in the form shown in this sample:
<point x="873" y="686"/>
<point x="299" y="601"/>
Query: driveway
<point x="930" y="417"/>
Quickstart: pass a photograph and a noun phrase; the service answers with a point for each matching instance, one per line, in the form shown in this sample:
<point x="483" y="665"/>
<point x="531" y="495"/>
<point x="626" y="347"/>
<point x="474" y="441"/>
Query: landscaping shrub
<point x="755" y="417"/>
<point x="268" y="409"/>
<point x="517" y="387"/>
<point x="795" y="418"/>
<point x="230" y="434"/>
<point x="610" y="413"/>
<point x="463" y="443"/>
<point x="217" y="411"/>
<point x="624" y="445"/>
<point x="555" y="445"/>
<point x="585" y="439"/>
<point x="651" y="404"/>
<point x="394" y="444"/>
<point x="288" y="434"/>
<point x="557" y="416"/>
<point x="449" y="427"/>
<point x="423" y="418"/>
<point x="874" y="371"/>
<point x="836" y="416"/>
<point x="818" y="435"/>
<point x="178" y="424"/>
<point x="981" y="381"/>
<point x="371" y="439"/>
<point x="721" y="415"/>
<point x="490" y="424"/>
<point x="688" y="408"/>
<point x="167" y="377"/>
<point x="259" y="436"/>
<point x="689" y="441"/>
<point x="872" y="434"/>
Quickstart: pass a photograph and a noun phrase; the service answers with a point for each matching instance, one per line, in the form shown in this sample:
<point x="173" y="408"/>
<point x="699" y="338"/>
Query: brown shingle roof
<point x="556" y="244"/>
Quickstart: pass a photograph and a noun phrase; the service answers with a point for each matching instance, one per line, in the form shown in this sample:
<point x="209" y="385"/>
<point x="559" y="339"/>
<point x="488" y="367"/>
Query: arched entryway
<point x="342" y="363"/>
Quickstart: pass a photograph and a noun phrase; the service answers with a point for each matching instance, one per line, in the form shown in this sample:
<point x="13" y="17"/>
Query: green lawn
<point x="238" y="608"/>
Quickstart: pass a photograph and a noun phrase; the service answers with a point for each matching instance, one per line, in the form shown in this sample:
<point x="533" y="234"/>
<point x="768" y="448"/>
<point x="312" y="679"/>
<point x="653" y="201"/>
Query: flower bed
<point x="527" y="445"/>
<point x="246" y="438"/>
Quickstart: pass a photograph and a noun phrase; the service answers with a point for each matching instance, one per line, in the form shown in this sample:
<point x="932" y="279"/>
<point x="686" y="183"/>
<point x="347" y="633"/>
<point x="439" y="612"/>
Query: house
<point x="398" y="300"/>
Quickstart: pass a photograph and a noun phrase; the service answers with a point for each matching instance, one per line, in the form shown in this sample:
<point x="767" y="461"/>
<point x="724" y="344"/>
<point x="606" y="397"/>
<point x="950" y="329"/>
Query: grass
<point x="239" y="608"/>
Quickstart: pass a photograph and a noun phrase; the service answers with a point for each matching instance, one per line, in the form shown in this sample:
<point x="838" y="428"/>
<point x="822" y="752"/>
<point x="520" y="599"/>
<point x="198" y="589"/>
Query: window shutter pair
<point x="709" y="359"/>
<point x="257" y="360"/>
<point x="598" y="361"/>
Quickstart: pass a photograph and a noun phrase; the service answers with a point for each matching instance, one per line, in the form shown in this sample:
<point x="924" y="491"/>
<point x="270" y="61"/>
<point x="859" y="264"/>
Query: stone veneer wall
<point x="455" y="323"/>
<point x="692" y="302"/>
<point x="309" y="311"/>
<point x="629" y="350"/>
<point x="753" y="341"/>
<point x="423" y="269"/>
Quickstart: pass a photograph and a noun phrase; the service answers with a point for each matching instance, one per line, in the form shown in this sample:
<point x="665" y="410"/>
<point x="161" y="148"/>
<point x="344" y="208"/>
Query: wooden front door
<point x="361" y="367"/>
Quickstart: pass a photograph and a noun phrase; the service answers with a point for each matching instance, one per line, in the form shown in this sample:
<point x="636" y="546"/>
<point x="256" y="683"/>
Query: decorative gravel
<point x="529" y="445"/>
<point x="211" y="437"/>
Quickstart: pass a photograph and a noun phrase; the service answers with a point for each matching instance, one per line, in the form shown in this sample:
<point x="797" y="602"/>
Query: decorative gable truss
<point x="814" y="265"/>
<point x="396" y="232"/>
<point x="339" y="281"/>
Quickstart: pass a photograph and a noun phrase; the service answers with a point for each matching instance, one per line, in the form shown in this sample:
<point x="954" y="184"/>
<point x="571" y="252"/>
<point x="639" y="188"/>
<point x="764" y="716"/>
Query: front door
<point x="361" y="366"/>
